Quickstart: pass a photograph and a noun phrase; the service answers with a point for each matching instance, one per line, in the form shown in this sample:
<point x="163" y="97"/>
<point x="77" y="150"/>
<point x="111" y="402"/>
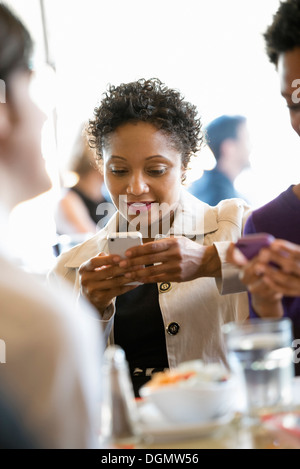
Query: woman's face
<point x="143" y="172"/>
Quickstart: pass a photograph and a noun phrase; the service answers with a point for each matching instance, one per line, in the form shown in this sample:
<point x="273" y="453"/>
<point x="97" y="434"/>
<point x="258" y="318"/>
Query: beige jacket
<point x="199" y="307"/>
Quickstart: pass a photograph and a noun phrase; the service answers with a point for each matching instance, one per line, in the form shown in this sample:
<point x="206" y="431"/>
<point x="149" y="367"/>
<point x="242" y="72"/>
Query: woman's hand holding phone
<point x="101" y="278"/>
<point x="173" y="259"/>
<point x="120" y="243"/>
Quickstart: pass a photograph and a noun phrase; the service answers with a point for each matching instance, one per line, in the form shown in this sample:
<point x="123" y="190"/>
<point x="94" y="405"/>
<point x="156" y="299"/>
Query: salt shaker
<point x="119" y="413"/>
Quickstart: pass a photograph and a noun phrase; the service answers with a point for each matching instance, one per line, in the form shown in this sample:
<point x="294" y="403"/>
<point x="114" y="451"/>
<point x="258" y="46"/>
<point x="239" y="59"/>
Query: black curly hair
<point x="284" y="33"/>
<point x="147" y="101"/>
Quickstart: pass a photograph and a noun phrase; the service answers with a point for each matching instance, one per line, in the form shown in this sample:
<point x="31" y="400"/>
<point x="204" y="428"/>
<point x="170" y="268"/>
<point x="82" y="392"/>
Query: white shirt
<point x="53" y="359"/>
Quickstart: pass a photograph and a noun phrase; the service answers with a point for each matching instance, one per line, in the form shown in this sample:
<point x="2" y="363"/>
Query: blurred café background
<point x="211" y="50"/>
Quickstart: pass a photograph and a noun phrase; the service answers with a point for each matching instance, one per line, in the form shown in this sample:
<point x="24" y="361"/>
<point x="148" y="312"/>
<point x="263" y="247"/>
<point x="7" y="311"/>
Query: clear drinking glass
<point x="263" y="349"/>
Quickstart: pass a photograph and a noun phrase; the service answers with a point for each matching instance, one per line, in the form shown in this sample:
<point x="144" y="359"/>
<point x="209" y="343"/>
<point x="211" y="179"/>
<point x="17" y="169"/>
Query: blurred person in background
<point x="228" y="138"/>
<point x="53" y="353"/>
<point x="77" y="209"/>
<point x="83" y="208"/>
<point x="275" y="291"/>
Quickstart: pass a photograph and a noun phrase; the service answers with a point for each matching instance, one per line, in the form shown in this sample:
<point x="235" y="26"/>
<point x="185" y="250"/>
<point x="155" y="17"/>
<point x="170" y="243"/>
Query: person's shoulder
<point x="188" y="198"/>
<point x="275" y="204"/>
<point x="30" y="300"/>
<point x="285" y="207"/>
<point x="212" y="187"/>
<point x="193" y="205"/>
<point x="233" y="210"/>
<point x="225" y="208"/>
<point x="43" y="331"/>
<point x="199" y="184"/>
<point x="233" y="203"/>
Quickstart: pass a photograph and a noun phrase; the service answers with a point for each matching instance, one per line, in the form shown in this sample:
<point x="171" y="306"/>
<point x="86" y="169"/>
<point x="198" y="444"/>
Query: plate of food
<point x="153" y="425"/>
<point x="192" y="394"/>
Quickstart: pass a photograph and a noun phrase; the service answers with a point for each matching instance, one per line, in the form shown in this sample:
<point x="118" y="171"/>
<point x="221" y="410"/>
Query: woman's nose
<point x="137" y="185"/>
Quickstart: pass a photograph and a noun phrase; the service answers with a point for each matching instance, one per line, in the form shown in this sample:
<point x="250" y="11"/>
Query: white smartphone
<point x="118" y="243"/>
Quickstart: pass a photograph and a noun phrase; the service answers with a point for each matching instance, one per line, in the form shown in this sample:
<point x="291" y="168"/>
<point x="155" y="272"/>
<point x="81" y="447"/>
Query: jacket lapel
<point x="193" y="219"/>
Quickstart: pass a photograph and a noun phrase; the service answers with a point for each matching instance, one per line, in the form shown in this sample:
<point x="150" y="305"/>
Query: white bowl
<point x="204" y="402"/>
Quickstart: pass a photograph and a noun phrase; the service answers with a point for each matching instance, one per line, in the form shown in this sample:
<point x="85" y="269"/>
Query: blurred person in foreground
<point x="275" y="291"/>
<point x="145" y="134"/>
<point x="228" y="138"/>
<point x="53" y="353"/>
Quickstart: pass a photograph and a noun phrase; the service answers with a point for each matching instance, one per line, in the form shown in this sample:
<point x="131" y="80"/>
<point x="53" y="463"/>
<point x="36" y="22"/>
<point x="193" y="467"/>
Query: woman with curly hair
<point x="144" y="134"/>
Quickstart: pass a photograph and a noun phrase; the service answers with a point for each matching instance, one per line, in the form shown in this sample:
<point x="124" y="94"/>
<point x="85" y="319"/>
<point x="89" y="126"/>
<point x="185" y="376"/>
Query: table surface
<point x="238" y="432"/>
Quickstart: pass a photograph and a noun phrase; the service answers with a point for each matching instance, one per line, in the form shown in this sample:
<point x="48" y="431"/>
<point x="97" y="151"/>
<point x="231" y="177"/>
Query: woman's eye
<point x="118" y="172"/>
<point x="157" y="172"/>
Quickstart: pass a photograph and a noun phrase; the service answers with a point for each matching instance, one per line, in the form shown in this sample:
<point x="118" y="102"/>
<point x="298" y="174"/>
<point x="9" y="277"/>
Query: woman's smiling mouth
<point x="135" y="207"/>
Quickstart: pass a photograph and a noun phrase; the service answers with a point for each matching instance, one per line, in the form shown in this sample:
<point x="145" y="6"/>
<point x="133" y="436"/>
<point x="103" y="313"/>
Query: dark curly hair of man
<point x="284" y="33"/>
<point x="147" y="101"/>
